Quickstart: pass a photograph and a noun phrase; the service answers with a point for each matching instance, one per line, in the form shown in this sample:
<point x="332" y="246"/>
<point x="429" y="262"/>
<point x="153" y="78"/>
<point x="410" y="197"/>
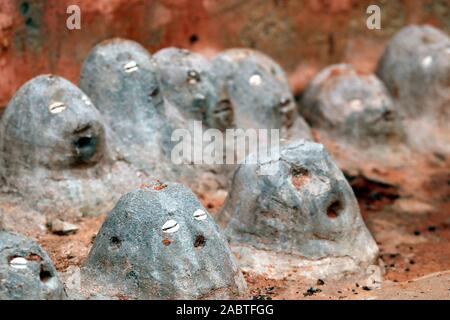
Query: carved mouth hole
<point x="300" y="177"/>
<point x="45" y="275"/>
<point x="85" y="147"/>
<point x="334" y="209"/>
<point x="115" y="242"/>
<point x="200" y="241"/>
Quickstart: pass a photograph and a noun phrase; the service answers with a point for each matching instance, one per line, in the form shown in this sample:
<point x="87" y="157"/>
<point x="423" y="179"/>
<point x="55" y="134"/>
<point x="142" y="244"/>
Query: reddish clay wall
<point x="302" y="35"/>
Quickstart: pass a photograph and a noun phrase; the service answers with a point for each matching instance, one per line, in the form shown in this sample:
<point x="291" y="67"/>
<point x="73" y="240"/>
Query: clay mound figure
<point x="416" y="69"/>
<point x="254" y="93"/>
<point x="121" y="79"/>
<point x="355" y="117"/>
<point x="296" y="216"/>
<point x="54" y="154"/>
<point x="26" y="271"/>
<point x="190" y="95"/>
<point x="187" y="85"/>
<point x="160" y="243"/>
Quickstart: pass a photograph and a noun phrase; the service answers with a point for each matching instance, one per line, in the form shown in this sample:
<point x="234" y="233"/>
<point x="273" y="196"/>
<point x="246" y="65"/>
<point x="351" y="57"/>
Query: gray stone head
<point x="121" y="79"/>
<point x="416" y="69"/>
<point x="254" y="93"/>
<point x="303" y="216"/>
<point x="187" y="83"/>
<point x="26" y="271"/>
<point x="350" y="106"/>
<point x="160" y="243"/>
<point x="54" y="150"/>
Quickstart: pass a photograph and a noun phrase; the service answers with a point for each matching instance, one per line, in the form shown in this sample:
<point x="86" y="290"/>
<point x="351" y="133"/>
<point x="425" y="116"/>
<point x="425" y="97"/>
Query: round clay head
<point x="186" y="82"/>
<point x="416" y="69"/>
<point x="160" y="243"/>
<point x="50" y="124"/>
<point x="351" y="106"/>
<point x="26" y="271"/>
<point x="254" y="91"/>
<point x="54" y="153"/>
<point x="120" y="77"/>
<point x="298" y="204"/>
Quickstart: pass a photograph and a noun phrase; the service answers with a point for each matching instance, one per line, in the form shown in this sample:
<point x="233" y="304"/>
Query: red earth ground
<point x="413" y="237"/>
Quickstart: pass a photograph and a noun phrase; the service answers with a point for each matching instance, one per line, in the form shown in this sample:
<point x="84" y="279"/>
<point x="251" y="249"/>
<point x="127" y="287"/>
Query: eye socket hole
<point x="200" y="241"/>
<point x="115" y="242"/>
<point x="334" y="209"/>
<point x="154" y="92"/>
<point x="299" y="177"/>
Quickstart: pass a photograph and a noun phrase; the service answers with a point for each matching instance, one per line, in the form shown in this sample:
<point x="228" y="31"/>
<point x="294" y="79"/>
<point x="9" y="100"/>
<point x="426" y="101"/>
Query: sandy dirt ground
<point x="413" y="237"/>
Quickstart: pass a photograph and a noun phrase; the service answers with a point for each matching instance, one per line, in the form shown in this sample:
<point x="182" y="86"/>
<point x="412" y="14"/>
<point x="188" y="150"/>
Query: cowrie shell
<point x="57" y="107"/>
<point x="356" y="104"/>
<point x="170" y="226"/>
<point x="130" y="67"/>
<point x="18" y="263"/>
<point x="255" y="80"/>
<point x="199" y="214"/>
<point x="427" y="61"/>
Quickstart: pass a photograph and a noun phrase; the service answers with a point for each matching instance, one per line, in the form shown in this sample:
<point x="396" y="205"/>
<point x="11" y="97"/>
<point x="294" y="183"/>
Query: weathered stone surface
<point x="121" y="79"/>
<point x="26" y="271"/>
<point x="302" y="220"/>
<point x="416" y="69"/>
<point x="350" y="106"/>
<point x="55" y="152"/>
<point x="2" y="224"/>
<point x="353" y="115"/>
<point x="254" y="93"/>
<point x="187" y="84"/>
<point x="160" y="243"/>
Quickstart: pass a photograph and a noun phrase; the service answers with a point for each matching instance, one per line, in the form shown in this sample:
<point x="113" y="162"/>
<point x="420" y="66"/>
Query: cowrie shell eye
<point x="86" y="100"/>
<point x="170" y="226"/>
<point x="427" y="61"/>
<point x="18" y="263"/>
<point x="255" y="80"/>
<point x="130" y="67"/>
<point x="199" y="214"/>
<point x="57" y="107"/>
<point x="356" y="105"/>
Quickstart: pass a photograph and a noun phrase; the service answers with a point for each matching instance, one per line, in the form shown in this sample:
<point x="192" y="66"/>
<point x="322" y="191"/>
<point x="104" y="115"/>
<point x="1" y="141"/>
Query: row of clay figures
<point x="67" y="152"/>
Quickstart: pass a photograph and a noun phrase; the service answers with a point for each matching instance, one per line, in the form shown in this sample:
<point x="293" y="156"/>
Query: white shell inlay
<point x="199" y="214"/>
<point x="18" y="263"/>
<point x="255" y="80"/>
<point x="131" y="67"/>
<point x="427" y="61"/>
<point x="170" y="226"/>
<point x="57" y="107"/>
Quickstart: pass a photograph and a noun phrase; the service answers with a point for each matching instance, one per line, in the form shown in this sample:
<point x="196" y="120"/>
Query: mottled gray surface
<point x="416" y="69"/>
<point x="254" y="93"/>
<point x="121" y="78"/>
<point x="305" y="210"/>
<point x="133" y="257"/>
<point x="187" y="85"/>
<point x="350" y="106"/>
<point x="34" y="279"/>
<point x="62" y="163"/>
